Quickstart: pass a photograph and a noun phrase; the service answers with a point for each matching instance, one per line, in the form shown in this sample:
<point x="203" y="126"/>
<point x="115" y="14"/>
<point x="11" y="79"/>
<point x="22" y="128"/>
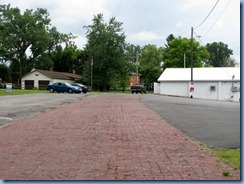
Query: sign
<point x="9" y="87"/>
<point x="191" y="89"/>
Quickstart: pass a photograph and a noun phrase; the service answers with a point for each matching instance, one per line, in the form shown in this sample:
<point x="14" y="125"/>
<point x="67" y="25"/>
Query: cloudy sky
<point x="147" y="21"/>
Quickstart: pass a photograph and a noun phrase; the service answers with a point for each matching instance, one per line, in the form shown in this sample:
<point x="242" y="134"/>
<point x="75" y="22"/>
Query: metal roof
<point x="200" y="74"/>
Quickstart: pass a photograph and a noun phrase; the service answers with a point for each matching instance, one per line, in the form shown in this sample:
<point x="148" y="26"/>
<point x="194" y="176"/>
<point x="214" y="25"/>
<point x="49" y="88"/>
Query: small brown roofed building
<point x="41" y="78"/>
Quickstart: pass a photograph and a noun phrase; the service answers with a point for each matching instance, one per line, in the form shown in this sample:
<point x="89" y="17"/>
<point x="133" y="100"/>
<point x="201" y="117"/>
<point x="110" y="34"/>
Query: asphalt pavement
<point x="215" y="123"/>
<point x="14" y="108"/>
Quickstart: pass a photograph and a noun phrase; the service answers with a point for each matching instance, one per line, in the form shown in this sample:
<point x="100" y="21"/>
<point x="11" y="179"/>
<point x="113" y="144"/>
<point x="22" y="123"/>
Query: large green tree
<point x="20" y="32"/>
<point x="27" y="38"/>
<point x="219" y="55"/>
<point x="150" y="64"/>
<point x="106" y="43"/>
<point x="173" y="56"/>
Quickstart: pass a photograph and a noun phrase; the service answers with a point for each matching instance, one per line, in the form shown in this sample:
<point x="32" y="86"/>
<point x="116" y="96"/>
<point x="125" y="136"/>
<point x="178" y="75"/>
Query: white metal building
<point x="209" y="83"/>
<point x="41" y="78"/>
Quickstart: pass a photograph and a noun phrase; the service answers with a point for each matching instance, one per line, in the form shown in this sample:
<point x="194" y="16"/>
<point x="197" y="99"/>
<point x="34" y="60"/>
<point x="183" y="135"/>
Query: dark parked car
<point x="62" y="87"/>
<point x="138" y="88"/>
<point x="84" y="88"/>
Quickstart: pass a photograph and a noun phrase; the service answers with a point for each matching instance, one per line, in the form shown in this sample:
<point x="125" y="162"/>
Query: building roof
<point x="58" y="75"/>
<point x="200" y="74"/>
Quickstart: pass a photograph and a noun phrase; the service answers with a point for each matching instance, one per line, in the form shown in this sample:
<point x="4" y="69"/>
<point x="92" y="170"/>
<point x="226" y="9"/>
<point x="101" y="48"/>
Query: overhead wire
<point x="207" y="15"/>
<point x="217" y="18"/>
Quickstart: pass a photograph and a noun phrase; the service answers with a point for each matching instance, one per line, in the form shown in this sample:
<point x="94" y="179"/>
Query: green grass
<point x="231" y="156"/>
<point x="20" y="92"/>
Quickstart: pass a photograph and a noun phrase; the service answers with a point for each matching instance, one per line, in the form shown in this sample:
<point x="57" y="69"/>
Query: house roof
<point x="58" y="75"/>
<point x="200" y="74"/>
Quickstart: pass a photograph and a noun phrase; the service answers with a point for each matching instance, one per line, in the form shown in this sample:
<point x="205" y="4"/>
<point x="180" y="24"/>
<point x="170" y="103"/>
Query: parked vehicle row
<point x="62" y="87"/>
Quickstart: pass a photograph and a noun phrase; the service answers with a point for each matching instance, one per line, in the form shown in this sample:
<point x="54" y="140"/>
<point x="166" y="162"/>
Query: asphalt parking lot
<point x="215" y="123"/>
<point x="20" y="107"/>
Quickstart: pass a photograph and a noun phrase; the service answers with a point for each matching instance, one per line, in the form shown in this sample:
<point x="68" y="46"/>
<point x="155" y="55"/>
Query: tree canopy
<point x="150" y="64"/>
<point x="219" y="55"/>
<point x="173" y="57"/>
<point x="27" y="38"/>
<point x="105" y="47"/>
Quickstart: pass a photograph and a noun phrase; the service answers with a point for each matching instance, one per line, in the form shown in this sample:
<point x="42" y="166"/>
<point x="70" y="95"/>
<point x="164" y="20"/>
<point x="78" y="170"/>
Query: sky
<point x="147" y="21"/>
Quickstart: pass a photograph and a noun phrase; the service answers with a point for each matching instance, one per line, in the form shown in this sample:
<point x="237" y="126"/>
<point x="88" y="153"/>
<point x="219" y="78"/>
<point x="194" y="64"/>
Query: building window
<point x="212" y="88"/>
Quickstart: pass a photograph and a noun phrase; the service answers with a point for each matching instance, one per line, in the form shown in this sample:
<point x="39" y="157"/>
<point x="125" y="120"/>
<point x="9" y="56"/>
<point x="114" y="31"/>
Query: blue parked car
<point x="62" y="87"/>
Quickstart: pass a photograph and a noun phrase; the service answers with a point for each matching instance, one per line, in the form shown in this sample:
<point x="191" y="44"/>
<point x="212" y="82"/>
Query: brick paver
<point x="104" y="137"/>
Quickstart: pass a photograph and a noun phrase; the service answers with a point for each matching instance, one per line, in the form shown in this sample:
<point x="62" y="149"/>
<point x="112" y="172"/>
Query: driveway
<point x="215" y="123"/>
<point x="20" y="107"/>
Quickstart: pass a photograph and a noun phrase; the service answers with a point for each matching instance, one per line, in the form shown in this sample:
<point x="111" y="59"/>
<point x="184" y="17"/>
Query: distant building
<point x="41" y="78"/>
<point x="135" y="79"/>
<point x="209" y="83"/>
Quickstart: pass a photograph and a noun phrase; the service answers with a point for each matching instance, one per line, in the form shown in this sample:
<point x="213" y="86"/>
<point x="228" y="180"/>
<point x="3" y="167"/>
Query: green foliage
<point x="219" y="55"/>
<point x="5" y="73"/>
<point x="28" y="32"/>
<point x="106" y="43"/>
<point x="173" y="56"/>
<point x="150" y="64"/>
<point x="231" y="156"/>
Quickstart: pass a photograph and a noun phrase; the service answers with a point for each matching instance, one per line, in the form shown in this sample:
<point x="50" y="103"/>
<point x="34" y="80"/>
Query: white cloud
<point x="193" y="4"/>
<point x="80" y="41"/>
<point x="145" y="36"/>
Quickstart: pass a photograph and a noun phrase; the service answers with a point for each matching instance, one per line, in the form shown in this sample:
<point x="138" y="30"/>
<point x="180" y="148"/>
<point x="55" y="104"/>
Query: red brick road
<point x="105" y="137"/>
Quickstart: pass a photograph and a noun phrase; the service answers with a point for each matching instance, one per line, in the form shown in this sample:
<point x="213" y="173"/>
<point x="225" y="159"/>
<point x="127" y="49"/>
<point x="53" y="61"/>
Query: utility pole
<point x="191" y="84"/>
<point x="191" y="54"/>
<point x="137" y="68"/>
<point x="184" y="60"/>
<point x="91" y="71"/>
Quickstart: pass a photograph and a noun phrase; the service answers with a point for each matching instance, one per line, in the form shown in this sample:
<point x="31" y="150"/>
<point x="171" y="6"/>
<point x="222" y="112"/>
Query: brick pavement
<point x="104" y="137"/>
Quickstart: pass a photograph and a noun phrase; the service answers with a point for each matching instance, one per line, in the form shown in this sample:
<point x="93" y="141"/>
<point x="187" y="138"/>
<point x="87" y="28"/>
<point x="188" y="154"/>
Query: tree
<point x="68" y="59"/>
<point x="20" y="32"/>
<point x="5" y="73"/>
<point x="168" y="39"/>
<point x="27" y="39"/>
<point x="150" y="64"/>
<point x="106" y="43"/>
<point x="173" y="56"/>
<point x="219" y="55"/>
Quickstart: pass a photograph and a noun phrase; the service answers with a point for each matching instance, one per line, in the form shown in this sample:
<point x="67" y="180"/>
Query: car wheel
<point x="51" y="90"/>
<point x="70" y="91"/>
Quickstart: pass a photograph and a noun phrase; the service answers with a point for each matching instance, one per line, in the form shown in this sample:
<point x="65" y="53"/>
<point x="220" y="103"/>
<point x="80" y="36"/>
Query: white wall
<point x="226" y="91"/>
<point x="156" y="88"/>
<point x="36" y="76"/>
<point x="174" y="88"/>
<point x="202" y="90"/>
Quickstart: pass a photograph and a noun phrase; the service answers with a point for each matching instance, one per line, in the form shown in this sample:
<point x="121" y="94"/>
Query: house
<point x="41" y="78"/>
<point x="208" y="83"/>
<point x="135" y="79"/>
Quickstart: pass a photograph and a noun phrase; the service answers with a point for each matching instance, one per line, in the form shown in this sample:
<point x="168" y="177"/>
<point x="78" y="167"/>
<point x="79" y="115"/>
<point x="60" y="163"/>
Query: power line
<point x="198" y="37"/>
<point x="217" y="18"/>
<point x="208" y="15"/>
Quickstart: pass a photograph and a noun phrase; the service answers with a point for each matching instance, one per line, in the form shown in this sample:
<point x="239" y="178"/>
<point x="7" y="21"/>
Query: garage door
<point x="42" y="84"/>
<point x="29" y="84"/>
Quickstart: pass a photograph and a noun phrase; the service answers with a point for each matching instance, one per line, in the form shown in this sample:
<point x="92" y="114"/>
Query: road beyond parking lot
<point x="215" y="123"/>
<point x="104" y="137"/>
